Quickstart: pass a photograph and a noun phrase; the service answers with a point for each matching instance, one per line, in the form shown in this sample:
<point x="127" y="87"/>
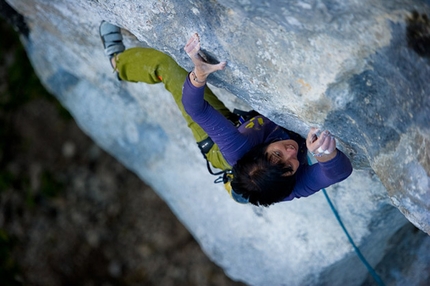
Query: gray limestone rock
<point x="359" y="69"/>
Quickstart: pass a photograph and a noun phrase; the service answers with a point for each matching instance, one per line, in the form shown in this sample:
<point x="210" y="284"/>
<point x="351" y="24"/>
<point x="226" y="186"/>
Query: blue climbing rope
<point x="372" y="271"/>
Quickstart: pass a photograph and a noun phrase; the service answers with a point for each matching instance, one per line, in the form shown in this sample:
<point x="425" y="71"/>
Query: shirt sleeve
<point x="311" y="179"/>
<point x="231" y="142"/>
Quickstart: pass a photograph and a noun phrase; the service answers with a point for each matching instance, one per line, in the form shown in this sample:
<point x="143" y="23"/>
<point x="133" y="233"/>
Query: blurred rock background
<point x="351" y="69"/>
<point x="70" y="213"/>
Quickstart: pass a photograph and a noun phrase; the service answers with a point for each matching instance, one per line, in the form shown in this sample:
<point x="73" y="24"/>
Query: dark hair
<point x="261" y="181"/>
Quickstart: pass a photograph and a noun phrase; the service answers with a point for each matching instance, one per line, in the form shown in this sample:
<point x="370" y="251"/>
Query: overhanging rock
<point x="343" y="66"/>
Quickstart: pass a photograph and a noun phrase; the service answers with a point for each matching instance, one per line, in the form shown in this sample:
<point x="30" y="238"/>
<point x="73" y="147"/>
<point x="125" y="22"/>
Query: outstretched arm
<point x="231" y="142"/>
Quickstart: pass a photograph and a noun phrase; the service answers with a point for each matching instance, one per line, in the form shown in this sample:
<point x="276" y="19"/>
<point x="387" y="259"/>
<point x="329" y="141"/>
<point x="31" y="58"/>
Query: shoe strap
<point x="114" y="49"/>
<point x="114" y="37"/>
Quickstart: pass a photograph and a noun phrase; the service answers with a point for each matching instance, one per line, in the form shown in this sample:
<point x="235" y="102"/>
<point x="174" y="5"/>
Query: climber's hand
<point x="201" y="67"/>
<point x="323" y="147"/>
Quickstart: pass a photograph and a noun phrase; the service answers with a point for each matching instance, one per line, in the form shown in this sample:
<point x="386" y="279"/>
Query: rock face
<point x="360" y="70"/>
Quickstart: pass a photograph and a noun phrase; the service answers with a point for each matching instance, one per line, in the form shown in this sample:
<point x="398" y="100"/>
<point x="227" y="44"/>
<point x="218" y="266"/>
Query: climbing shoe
<point x="111" y="38"/>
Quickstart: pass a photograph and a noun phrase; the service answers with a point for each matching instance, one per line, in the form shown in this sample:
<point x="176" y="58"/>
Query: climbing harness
<point x="226" y="176"/>
<point x="370" y="269"/>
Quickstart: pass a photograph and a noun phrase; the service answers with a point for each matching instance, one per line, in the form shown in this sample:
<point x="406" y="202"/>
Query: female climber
<point x="267" y="163"/>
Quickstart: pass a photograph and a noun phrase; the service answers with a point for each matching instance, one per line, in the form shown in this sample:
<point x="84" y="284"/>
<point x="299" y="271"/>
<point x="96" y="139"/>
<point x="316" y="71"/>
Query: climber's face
<point x="284" y="151"/>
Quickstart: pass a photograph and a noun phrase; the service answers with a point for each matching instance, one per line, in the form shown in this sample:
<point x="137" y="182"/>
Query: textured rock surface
<point x="345" y="66"/>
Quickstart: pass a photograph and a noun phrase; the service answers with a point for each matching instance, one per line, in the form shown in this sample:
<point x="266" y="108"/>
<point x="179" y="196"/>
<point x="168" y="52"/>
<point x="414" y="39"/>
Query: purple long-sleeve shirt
<point x="235" y="142"/>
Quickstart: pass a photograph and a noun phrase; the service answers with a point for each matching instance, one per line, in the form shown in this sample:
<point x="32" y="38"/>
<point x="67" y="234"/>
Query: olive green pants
<point x="151" y="66"/>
